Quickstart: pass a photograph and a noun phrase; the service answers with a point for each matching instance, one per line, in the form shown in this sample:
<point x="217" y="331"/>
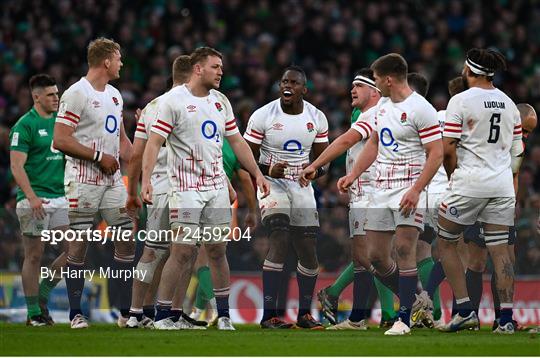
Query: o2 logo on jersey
<point x="293" y="145"/>
<point x="209" y="130"/>
<point x="111" y="124"/>
<point x="387" y="139"/>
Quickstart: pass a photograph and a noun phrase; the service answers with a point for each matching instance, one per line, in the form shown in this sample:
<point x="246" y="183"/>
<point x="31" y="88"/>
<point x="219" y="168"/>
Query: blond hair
<point x="101" y="49"/>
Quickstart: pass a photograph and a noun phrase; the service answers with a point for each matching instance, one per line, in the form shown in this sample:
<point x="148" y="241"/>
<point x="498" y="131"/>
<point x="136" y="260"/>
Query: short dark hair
<point x="182" y="69"/>
<point x="298" y="69"/>
<point x="392" y="64"/>
<point x="419" y="83"/>
<point x="366" y="72"/>
<point x="41" y="81"/>
<point x="455" y="86"/>
<point x="201" y="54"/>
<point x="488" y="59"/>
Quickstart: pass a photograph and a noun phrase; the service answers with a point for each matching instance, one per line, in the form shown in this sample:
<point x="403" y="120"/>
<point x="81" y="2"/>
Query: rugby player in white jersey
<point x="89" y="129"/>
<point x="156" y="249"/>
<point x="478" y="253"/>
<point x="365" y="96"/>
<point x="194" y="119"/>
<point x="282" y="135"/>
<point x="407" y="147"/>
<point x="482" y="136"/>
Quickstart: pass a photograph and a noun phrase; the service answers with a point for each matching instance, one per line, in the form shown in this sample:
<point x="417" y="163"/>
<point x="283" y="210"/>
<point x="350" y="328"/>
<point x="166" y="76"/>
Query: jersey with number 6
<point x="195" y="128"/>
<point x="488" y="125"/>
<point x="96" y="117"/>
<point x="403" y="128"/>
<point x="159" y="179"/>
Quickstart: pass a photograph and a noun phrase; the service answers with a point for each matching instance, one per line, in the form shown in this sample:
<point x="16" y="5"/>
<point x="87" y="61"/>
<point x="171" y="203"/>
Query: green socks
<point x="424" y="270"/>
<point x="32" y="306"/>
<point x="345" y="279"/>
<point x="205" y="289"/>
<point x="386" y="297"/>
<point x="45" y="288"/>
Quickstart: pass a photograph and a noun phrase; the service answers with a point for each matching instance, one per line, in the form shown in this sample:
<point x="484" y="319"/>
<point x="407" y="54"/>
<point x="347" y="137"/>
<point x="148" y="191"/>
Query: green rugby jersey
<point x="230" y="162"/>
<point x="355" y="114"/>
<point x="33" y="135"/>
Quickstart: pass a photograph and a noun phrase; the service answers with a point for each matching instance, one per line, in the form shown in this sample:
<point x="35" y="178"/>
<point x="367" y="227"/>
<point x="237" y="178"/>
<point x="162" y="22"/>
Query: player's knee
<point x="277" y="223"/>
<point x="446" y="235"/>
<point x="216" y="251"/>
<point x="149" y="263"/>
<point x="405" y="250"/>
<point x="476" y="264"/>
<point x="183" y="254"/>
<point x="33" y="258"/>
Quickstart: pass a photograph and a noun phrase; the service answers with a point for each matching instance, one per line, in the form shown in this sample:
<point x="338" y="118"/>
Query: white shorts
<point x="433" y="201"/>
<point x="56" y="215"/>
<point x="465" y="210"/>
<point x="158" y="220"/>
<point x="198" y="210"/>
<point x="85" y="200"/>
<point x="357" y="215"/>
<point x="289" y="198"/>
<point x="384" y="215"/>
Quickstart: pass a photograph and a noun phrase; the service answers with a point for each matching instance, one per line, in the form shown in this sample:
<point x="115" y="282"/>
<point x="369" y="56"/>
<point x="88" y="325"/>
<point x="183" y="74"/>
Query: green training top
<point x="230" y="162"/>
<point x="33" y="135"/>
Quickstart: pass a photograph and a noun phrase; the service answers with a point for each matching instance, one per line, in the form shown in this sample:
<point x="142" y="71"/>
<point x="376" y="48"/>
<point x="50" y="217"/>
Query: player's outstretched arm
<point x="125" y="144"/>
<point x="133" y="202"/>
<point x="245" y="156"/>
<point x="154" y="143"/>
<point x="334" y="150"/>
<point x="364" y="160"/>
<point x="247" y="188"/>
<point x="17" y="160"/>
<point x="450" y="155"/>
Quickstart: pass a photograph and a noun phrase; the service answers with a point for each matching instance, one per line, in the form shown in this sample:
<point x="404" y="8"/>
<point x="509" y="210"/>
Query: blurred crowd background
<point x="329" y="39"/>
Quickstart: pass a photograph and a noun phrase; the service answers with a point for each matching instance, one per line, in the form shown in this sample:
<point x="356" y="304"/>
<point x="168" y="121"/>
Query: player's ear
<point x="304" y="90"/>
<point x="107" y="63"/>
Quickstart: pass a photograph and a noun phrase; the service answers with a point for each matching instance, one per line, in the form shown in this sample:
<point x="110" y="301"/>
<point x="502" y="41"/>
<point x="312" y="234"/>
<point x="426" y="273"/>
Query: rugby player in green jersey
<point x="38" y="170"/>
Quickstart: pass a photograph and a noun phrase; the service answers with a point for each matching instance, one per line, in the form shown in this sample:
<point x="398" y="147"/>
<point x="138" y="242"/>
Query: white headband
<point x="479" y="70"/>
<point x="366" y="81"/>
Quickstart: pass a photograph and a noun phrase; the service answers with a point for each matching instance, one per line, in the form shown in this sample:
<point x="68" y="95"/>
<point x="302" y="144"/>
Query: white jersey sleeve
<point x="71" y="107"/>
<point x="322" y="128"/>
<point x="454" y="118"/>
<point x="230" y="125"/>
<point x="427" y="124"/>
<point x="256" y="127"/>
<point x="165" y="120"/>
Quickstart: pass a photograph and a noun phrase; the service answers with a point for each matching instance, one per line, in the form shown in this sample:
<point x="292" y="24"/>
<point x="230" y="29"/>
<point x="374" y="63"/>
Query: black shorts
<point x="475" y="234"/>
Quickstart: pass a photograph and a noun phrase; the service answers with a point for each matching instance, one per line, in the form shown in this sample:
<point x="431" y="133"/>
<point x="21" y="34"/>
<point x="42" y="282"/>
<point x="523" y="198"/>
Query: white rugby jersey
<point x="96" y="117"/>
<point x="488" y="124"/>
<point x="286" y="137"/>
<point x="403" y="128"/>
<point x="159" y="179"/>
<point x="439" y="183"/>
<point x="364" y="183"/>
<point x="195" y="128"/>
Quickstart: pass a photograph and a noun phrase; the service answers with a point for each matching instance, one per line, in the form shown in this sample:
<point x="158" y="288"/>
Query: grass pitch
<point x="249" y="340"/>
